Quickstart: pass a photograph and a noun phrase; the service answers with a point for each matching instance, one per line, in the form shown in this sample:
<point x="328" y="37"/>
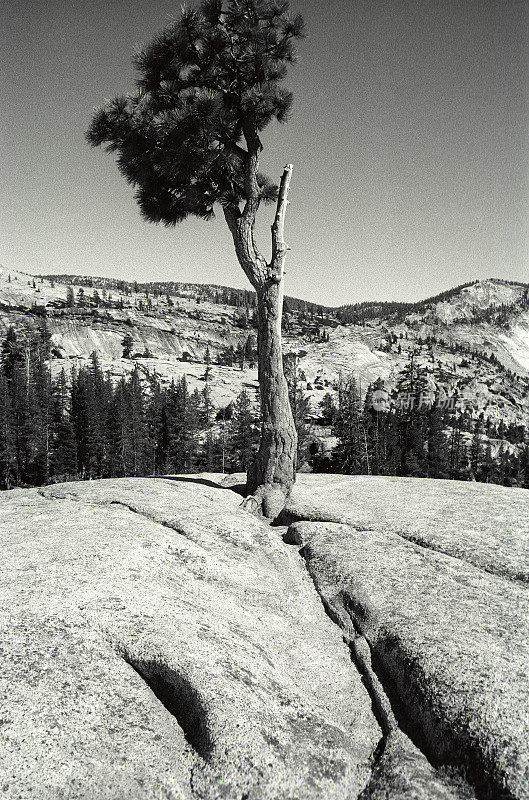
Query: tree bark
<point x="272" y="474"/>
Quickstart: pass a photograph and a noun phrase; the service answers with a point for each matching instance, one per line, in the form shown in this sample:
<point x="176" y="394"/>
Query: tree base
<point x="267" y="501"/>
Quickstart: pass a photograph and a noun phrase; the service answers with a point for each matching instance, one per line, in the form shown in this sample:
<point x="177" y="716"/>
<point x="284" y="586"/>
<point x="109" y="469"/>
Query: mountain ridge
<point x="168" y="286"/>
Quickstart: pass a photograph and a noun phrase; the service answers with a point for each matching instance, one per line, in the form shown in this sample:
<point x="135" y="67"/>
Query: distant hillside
<point x="351" y="313"/>
<point x="358" y="313"/>
<point x="222" y="295"/>
<point x="485" y="321"/>
<point x="471" y="344"/>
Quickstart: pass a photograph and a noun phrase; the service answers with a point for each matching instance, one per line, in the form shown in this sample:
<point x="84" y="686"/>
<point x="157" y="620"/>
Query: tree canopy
<point x="208" y="84"/>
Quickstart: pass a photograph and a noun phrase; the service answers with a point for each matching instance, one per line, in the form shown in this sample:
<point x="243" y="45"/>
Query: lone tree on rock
<point x="189" y="138"/>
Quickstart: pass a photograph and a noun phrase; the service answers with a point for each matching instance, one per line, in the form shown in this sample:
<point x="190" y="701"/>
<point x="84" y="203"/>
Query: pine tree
<point x="118" y="432"/>
<point x="348" y="453"/>
<point x="476" y="451"/>
<point x="524" y="466"/>
<point x="437" y="443"/>
<point x="207" y="361"/>
<point x="328" y="410"/>
<point x="127" y="344"/>
<point x="155" y="401"/>
<point x="411" y="412"/>
<point x="17" y="367"/>
<point x="42" y="418"/>
<point x="90" y="410"/>
<point x="12" y="352"/>
<point x="140" y="440"/>
<point x="182" y="413"/>
<point x="243" y="433"/>
<point x="8" y="454"/>
<point x="391" y="445"/>
<point x="457" y="454"/>
<point x="373" y="433"/>
<point x="189" y="138"/>
<point x="64" y="449"/>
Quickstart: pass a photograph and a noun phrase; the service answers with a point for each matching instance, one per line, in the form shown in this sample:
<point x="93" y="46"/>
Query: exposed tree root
<point x="267" y="501"/>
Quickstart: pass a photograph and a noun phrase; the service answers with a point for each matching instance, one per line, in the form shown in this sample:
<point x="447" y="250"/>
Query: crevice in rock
<point x="400" y="714"/>
<point x="433" y="737"/>
<point x="488" y="569"/>
<point x="288" y="518"/>
<point x="361" y="657"/>
<point x="151" y="517"/>
<point x="379" y="703"/>
<point x="388" y="706"/>
<point x="176" y="693"/>
<point x="49" y="494"/>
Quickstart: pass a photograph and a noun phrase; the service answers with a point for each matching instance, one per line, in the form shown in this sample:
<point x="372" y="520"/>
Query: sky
<point x="409" y="139"/>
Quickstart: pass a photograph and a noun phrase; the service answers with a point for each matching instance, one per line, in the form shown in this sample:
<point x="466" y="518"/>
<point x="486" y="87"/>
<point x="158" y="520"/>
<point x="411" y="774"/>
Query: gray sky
<point x="408" y="138"/>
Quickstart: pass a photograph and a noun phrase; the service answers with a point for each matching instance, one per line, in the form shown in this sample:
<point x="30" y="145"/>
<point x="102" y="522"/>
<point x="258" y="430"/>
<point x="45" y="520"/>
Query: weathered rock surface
<point x="483" y="524"/>
<point x="159" y="642"/>
<point x="449" y="640"/>
<point x="403" y="773"/>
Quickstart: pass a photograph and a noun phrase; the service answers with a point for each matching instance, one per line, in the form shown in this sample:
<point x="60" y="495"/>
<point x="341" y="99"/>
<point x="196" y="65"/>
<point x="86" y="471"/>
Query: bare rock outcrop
<point x="484" y="524"/>
<point x="160" y="642"/>
<point x="449" y="645"/>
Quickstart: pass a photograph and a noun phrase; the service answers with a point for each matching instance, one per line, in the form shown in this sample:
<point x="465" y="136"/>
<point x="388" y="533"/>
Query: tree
<point x="11" y="353"/>
<point x="64" y="457"/>
<point x="127" y="344"/>
<point x="8" y="453"/>
<point x="437" y="457"/>
<point x="414" y="399"/>
<point x="348" y="454"/>
<point x="188" y="139"/>
<point x="207" y="360"/>
<point x="242" y="433"/>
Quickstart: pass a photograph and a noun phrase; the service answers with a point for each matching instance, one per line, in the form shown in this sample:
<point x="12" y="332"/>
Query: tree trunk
<point x="272" y="474"/>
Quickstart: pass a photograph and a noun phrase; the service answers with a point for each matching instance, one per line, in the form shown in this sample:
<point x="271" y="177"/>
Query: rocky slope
<point x="160" y="642"/>
<point x="173" y="327"/>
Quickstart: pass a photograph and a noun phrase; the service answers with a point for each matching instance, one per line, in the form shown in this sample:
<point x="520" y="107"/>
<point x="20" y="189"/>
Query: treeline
<point x="360" y="313"/>
<point x="417" y="433"/>
<point x="222" y="295"/>
<point x="88" y="426"/>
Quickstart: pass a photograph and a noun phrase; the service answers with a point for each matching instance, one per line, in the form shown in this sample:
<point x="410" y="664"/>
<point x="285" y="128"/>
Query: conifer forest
<point x="84" y="425"/>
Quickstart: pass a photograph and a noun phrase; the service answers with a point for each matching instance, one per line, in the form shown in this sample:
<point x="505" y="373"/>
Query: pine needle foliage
<point x="207" y="85"/>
